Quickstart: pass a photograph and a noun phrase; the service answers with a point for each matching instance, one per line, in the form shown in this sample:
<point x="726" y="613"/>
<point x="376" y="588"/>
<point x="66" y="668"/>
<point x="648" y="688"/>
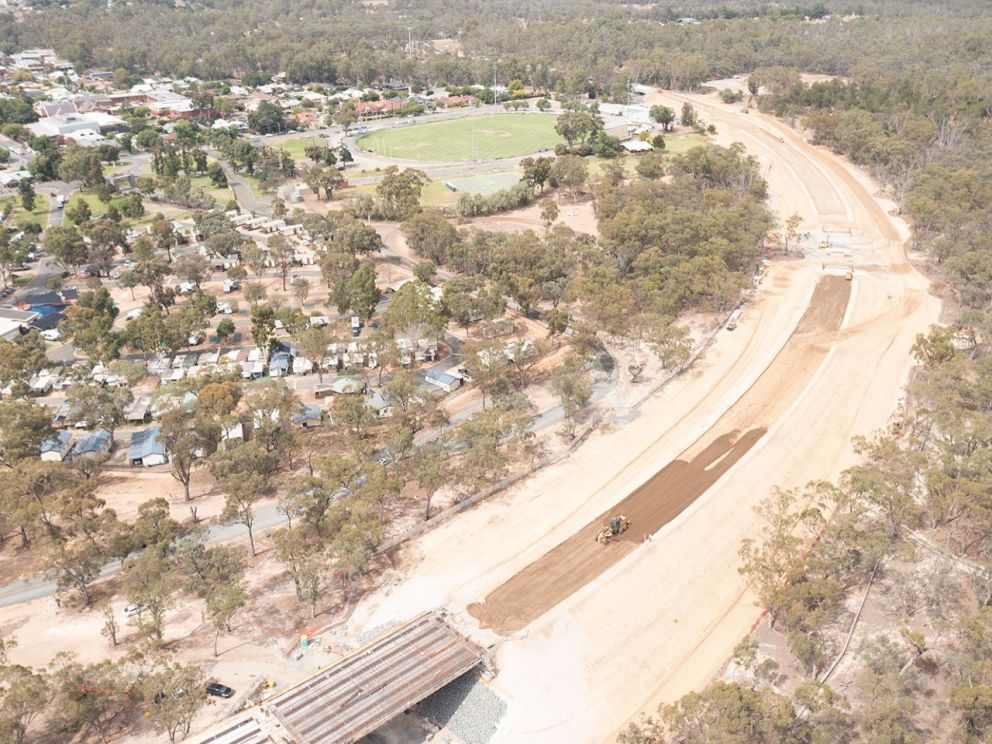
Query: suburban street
<point x="243" y="193"/>
<point x="268" y="515"/>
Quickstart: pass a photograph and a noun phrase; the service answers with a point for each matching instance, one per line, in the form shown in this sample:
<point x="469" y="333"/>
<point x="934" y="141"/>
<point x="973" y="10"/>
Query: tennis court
<point x="486" y="184"/>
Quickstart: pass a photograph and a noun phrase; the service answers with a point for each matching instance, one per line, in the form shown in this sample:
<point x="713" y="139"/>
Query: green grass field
<point x="435" y="194"/>
<point x="296" y="147"/>
<point x="675" y="144"/>
<point x="223" y="196"/>
<point x="16" y="214"/>
<point x="473" y="138"/>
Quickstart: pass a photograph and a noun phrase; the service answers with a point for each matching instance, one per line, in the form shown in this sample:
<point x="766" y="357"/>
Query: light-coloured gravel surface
<point x="468" y="708"/>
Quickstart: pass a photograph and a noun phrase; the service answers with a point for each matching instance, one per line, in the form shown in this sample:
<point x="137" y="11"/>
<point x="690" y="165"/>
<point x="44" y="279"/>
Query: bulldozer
<point x="614" y="527"/>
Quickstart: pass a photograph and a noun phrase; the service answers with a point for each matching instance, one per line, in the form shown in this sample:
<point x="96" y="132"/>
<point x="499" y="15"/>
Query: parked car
<point x="177" y="693"/>
<point x="218" y="690"/>
<point x="134" y="609"/>
<point x="195" y="339"/>
<point x="52" y="334"/>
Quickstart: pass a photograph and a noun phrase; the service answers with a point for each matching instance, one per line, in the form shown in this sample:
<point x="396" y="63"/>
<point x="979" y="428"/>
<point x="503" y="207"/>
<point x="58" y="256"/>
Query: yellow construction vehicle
<point x="614" y="527"/>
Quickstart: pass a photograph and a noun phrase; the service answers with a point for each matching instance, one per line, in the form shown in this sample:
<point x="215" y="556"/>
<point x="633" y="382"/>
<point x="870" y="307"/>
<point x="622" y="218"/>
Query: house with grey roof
<point x="56" y="448"/>
<point x="95" y="443"/>
<point x="147" y="449"/>
<point x="377" y="402"/>
<point x="279" y="364"/>
<point x="14" y="322"/>
<point x="309" y="417"/>
<point x="443" y="380"/>
<point x="347" y="386"/>
<point x="140" y="410"/>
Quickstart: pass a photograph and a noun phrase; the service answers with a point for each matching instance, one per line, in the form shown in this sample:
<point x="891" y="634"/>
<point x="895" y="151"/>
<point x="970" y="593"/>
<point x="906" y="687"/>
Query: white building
<point x="66" y="125"/>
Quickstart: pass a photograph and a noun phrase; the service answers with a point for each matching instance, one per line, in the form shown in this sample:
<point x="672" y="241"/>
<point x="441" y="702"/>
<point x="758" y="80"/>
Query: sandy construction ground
<point x="739" y="83"/>
<point x="774" y="403"/>
<point x="580" y="559"/>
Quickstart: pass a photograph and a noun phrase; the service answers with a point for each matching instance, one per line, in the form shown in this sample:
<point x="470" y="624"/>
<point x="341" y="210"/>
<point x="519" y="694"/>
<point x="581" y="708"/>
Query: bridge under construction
<point x="361" y="692"/>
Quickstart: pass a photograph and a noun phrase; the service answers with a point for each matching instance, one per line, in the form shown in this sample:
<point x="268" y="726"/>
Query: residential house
<point x="211" y="357"/>
<point x="57" y="447"/>
<point x="253" y="370"/>
<point x="379" y="108"/>
<point x="232" y="435"/>
<point x="62" y="414"/>
<point x="279" y="364"/>
<point x="174" y="105"/>
<point x="147" y="449"/>
<point x="348" y="94"/>
<point x="377" y="402"/>
<point x="347" y="386"/>
<point x="38" y="60"/>
<point x="426" y="350"/>
<point x="42" y="382"/>
<point x="93" y="444"/>
<point x="311" y="416"/>
<point x="15" y="322"/>
<point x="9" y="179"/>
<point x="516" y="348"/>
<point x="455" y="101"/>
<point x="442" y="380"/>
<point x="313" y="96"/>
<point x="56" y="108"/>
<point x="636" y="146"/>
<point x="173" y="375"/>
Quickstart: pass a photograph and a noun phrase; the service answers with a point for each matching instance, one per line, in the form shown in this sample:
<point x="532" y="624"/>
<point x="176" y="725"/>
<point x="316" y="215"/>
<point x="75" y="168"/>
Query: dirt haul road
<point x="663" y="618"/>
<point x="581" y="559"/>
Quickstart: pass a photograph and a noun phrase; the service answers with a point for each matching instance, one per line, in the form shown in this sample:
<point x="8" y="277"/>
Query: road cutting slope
<point x="580" y="559"/>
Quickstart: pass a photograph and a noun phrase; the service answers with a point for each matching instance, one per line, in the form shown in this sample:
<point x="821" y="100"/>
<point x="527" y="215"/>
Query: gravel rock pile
<point x="372" y="633"/>
<point x="468" y="708"/>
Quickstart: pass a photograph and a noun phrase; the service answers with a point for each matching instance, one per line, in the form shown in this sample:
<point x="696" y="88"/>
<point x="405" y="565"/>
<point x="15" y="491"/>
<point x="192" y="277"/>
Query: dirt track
<point x="580" y="559"/>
